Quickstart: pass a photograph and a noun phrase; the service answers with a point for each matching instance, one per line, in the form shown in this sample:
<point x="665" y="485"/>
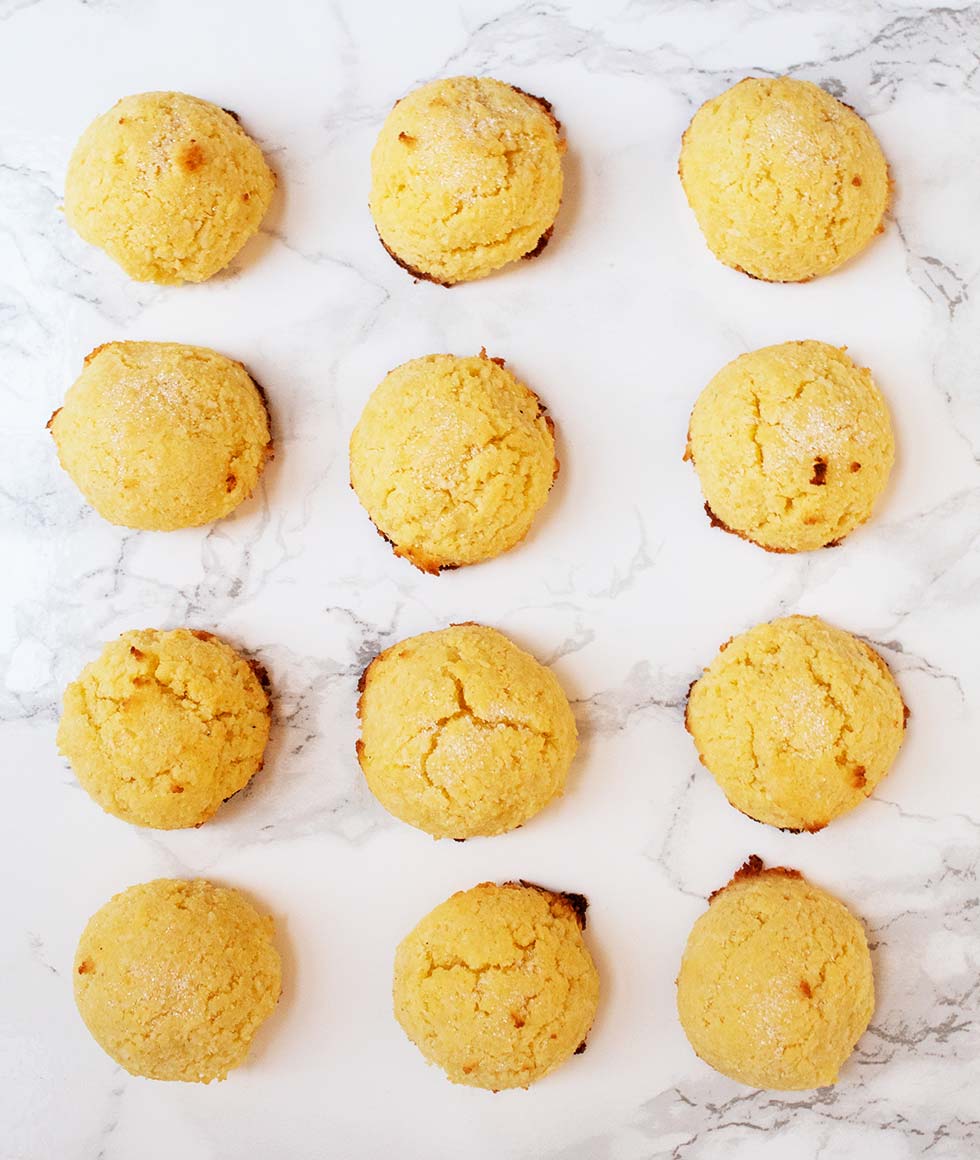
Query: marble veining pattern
<point x="622" y="585"/>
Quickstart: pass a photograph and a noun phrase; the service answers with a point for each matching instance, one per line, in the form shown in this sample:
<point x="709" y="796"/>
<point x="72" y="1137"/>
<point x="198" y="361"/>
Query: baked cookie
<point x="496" y="985"/>
<point x="173" y="979"/>
<point x="775" y="986"/>
<point x="797" y="722"/>
<point x="463" y="734"/>
<point x="158" y="436"/>
<point x="792" y="445"/>
<point x="785" y="181"/>
<point x="170" y="186"/>
<point x="452" y="458"/>
<point x="165" y="726"/>
<point x="466" y="177"/>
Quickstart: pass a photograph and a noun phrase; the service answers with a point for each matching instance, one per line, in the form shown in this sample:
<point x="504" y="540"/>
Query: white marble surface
<point x="622" y="585"/>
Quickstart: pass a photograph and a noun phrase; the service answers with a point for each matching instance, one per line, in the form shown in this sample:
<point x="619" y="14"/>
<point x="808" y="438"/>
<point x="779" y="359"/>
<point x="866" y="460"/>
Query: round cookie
<point x="797" y="722"/>
<point x="786" y="182"/>
<point x="496" y="985"/>
<point x="159" y="436"/>
<point x="170" y="186"/>
<point x="173" y="979"/>
<point x="776" y="985"/>
<point x="452" y="458"/>
<point x="165" y="726"/>
<point x="465" y="177"/>
<point x="792" y="445"/>
<point x="463" y="734"/>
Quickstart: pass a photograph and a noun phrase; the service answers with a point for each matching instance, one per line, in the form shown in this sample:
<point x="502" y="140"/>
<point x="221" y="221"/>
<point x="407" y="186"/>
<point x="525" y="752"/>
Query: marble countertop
<point x="623" y="586"/>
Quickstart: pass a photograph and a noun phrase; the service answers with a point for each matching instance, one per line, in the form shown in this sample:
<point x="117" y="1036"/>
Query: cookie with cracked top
<point x="463" y="734"/>
<point x="797" y="721"/>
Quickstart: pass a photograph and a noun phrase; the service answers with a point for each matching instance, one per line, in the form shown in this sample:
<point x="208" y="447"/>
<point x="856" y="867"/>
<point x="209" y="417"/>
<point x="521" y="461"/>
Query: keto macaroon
<point x="159" y="435"/>
<point x="163" y="727"/>
<point x="466" y="177"/>
<point x="452" y="458"/>
<point x="775" y="987"/>
<point x="170" y="186"/>
<point x="792" y="445"/>
<point x="797" y="721"/>
<point x="173" y="978"/>
<point x="496" y="985"/>
<point x="463" y="734"/>
<point x="786" y="182"/>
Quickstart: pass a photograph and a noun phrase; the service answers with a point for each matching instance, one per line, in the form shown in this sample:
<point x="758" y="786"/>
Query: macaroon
<point x="466" y="177"/>
<point x="452" y="458"/>
<point x="170" y="186"/>
<point x="797" y="721"/>
<point x="159" y="436"/>
<point x="776" y="985"/>
<point x="173" y="979"/>
<point x="163" y="727"/>
<point x="786" y="182"/>
<point x="463" y="734"/>
<point x="496" y="986"/>
<point x="792" y="445"/>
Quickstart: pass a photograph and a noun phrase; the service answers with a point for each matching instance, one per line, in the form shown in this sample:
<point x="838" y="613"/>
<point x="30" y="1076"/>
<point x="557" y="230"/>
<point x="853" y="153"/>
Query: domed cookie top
<point x="496" y="985"/>
<point x="452" y="458"/>
<point x="173" y="979"/>
<point x="160" y="436"/>
<point x="165" y="726"/>
<point x="792" y="445"/>
<point x="465" y="177"/>
<point x="797" y="722"/>
<point x="170" y="186"/>
<point x="463" y="733"/>
<point x="785" y="181"/>
<point x="775" y="987"/>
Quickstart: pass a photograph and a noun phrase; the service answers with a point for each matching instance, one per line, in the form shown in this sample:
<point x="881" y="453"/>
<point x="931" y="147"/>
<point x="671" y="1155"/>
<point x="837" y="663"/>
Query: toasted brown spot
<point x="754" y="867"/>
<point x="468" y="1067"/>
<point x="858" y="773"/>
<point x="231" y="113"/>
<point x="202" y="635"/>
<point x="578" y="902"/>
<point x="96" y="351"/>
<point x="855" y="466"/>
<point x="806" y="988"/>
<point x="406" y="138"/>
<point x="135" y="652"/>
<point x="517" y="1020"/>
<point x="580" y="1049"/>
<point x="176" y="789"/>
<point x="855" y="180"/>
<point x="246" y="196"/>
<point x="193" y="157"/>
<point x="54" y="415"/>
<point x="86" y="967"/>
<point x="230" y="482"/>
<point x="122" y="120"/>
<point x="819" y="476"/>
<point x="418" y="275"/>
<point x="540" y="244"/>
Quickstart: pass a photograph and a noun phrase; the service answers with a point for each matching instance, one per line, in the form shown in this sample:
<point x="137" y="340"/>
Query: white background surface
<point x="623" y="585"/>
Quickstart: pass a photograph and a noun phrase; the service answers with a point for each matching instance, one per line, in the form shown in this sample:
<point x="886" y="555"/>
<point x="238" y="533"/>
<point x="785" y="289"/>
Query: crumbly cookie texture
<point x="170" y="186"/>
<point x="775" y="987"/>
<point x="785" y="181"/>
<point x="496" y="985"/>
<point x="159" y="436"/>
<point x="165" y="726"/>
<point x="466" y="177"/>
<point x="173" y="979"/>
<point x="797" y="722"/>
<point x="452" y="458"/>
<point x="792" y="444"/>
<point x="463" y="734"/>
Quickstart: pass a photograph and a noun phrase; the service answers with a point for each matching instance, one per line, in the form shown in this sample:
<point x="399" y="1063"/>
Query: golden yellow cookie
<point x="158" y="436"/>
<point x="797" y="722"/>
<point x="463" y="733"/>
<point x="792" y="445"/>
<point x="496" y="985"/>
<point x="170" y="186"/>
<point x="452" y="459"/>
<point x="165" y="726"/>
<point x="785" y="181"/>
<point x="173" y="979"/>
<point x="466" y="177"/>
<point x="775" y="986"/>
